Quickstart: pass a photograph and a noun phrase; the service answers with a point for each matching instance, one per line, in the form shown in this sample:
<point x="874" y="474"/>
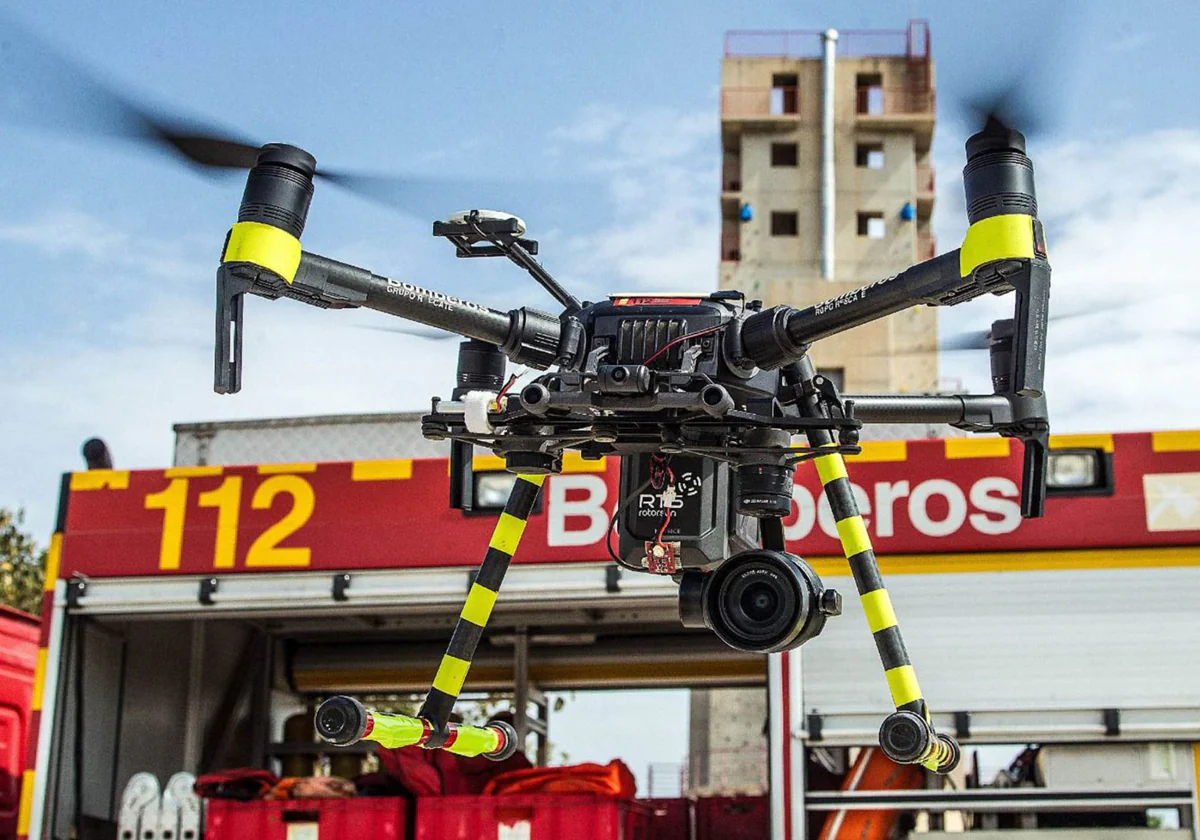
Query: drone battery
<point x="694" y="502"/>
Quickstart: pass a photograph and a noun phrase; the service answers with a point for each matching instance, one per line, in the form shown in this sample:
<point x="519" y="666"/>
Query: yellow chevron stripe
<point x="192" y="472"/>
<point x="286" y="469"/>
<point x="100" y="480"/>
<point x="1101" y="442"/>
<point x="978" y="447"/>
<point x="394" y="470"/>
<point x="874" y="451"/>
<point x="39" y="679"/>
<point x="1175" y="441"/>
<point x="53" y="559"/>
<point x="25" y="813"/>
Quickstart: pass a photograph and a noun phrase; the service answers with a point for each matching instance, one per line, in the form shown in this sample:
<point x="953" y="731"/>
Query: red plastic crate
<point x="367" y="818"/>
<point x="733" y="818"/>
<point x="670" y="818"/>
<point x="534" y="817"/>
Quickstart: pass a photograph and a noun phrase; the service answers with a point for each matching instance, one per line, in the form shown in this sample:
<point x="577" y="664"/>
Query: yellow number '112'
<point x="227" y="499"/>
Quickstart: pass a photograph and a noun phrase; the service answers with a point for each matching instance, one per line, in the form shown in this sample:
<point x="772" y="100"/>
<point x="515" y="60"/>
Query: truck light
<point x="492" y="489"/>
<point x="1079" y="472"/>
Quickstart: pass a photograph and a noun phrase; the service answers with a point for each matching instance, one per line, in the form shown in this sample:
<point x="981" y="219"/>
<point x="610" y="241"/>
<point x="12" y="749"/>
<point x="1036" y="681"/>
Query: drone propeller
<point x="982" y="339"/>
<point x="42" y="88"/>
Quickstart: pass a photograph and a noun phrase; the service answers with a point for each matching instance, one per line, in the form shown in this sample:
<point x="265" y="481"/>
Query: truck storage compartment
<point x="533" y="817"/>
<point x="671" y="818"/>
<point x="366" y="818"/>
<point x="732" y="818"/>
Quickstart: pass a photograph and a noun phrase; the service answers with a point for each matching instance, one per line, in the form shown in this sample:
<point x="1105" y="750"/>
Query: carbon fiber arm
<point x="526" y="336"/>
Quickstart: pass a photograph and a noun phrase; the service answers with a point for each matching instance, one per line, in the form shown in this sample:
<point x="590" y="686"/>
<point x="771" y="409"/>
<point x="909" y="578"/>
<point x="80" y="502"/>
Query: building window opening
<point x="871" y="225"/>
<point x="785" y="154"/>
<point x="786" y="223"/>
<point x="785" y="93"/>
<point x="869" y="97"/>
<point x="869" y="156"/>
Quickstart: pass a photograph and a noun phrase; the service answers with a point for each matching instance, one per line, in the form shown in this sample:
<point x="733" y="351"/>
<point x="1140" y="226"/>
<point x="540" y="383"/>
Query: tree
<point x="22" y="565"/>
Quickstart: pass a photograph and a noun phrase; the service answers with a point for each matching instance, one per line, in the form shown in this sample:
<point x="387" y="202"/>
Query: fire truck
<point x="189" y="610"/>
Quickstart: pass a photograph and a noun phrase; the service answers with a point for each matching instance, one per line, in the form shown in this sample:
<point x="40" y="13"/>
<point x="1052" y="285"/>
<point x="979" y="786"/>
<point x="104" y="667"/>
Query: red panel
<point x="336" y="819"/>
<point x="540" y="817"/>
<point x="926" y="503"/>
<point x="18" y="657"/>
<point x="733" y="818"/>
<point x="670" y="818"/>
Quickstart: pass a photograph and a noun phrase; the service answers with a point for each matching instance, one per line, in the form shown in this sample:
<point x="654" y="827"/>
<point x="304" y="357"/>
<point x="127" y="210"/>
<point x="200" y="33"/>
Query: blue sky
<point x="107" y="251"/>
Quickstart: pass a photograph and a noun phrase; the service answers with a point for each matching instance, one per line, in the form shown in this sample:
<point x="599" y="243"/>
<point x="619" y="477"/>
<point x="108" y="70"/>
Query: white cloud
<point x="660" y="167"/>
<point x="1121" y="218"/>
<point x="70" y="233"/>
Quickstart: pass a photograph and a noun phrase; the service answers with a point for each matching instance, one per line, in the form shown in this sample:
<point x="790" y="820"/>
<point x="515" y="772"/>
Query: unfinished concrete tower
<point x="827" y="184"/>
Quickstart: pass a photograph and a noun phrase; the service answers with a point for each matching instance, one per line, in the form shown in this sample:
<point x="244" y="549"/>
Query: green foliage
<point x="22" y="565"/>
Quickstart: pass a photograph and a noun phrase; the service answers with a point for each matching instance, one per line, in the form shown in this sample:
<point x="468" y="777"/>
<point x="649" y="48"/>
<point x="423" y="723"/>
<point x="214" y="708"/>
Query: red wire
<point x="670" y="511"/>
<point x="507" y="385"/>
<point x="675" y="341"/>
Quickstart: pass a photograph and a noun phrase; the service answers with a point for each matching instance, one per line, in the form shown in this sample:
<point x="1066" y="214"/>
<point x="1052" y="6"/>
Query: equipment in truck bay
<point x="702" y="397"/>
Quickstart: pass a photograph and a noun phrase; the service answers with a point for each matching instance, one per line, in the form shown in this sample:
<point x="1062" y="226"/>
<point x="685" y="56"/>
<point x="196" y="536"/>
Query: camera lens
<point x="763" y="602"/>
<point x="758" y="601"/>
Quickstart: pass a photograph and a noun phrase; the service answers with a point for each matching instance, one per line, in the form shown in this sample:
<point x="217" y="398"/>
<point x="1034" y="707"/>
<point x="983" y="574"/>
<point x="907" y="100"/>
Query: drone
<point x="709" y="401"/>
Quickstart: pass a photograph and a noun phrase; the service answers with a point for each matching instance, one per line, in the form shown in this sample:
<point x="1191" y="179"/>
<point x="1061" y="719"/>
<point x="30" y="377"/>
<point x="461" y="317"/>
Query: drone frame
<point x="1004" y="250"/>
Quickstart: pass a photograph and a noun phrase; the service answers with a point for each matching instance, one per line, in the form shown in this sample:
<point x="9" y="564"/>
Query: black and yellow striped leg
<point x="452" y="673"/>
<point x="907" y="736"/>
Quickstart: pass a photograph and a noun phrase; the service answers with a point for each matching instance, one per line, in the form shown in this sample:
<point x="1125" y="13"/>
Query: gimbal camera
<point x="701" y="396"/>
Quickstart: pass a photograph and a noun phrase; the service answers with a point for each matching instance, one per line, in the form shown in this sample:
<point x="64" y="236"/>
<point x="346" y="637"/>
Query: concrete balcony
<point x="763" y="107"/>
<point x="898" y="108"/>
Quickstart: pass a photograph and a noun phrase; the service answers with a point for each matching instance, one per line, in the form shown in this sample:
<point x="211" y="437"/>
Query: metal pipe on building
<point x="828" y="68"/>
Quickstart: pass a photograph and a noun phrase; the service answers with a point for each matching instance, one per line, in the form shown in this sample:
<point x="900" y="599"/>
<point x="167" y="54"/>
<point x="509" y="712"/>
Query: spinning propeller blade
<point x="42" y="88"/>
<point x="981" y="339"/>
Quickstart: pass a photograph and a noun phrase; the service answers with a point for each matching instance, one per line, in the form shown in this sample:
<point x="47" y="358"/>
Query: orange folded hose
<point x="612" y="779"/>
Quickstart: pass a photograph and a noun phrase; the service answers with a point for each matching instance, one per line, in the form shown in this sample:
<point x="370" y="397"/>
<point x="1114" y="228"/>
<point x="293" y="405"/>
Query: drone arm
<point x="1012" y="415"/>
<point x="526" y="336"/>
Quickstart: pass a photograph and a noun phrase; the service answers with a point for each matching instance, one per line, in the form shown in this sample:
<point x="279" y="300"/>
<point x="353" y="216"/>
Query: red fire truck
<point x="18" y="656"/>
<point x="189" y="610"/>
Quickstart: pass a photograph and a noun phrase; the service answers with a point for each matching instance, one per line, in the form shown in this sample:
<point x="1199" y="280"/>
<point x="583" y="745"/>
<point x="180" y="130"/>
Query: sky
<point x="603" y="118"/>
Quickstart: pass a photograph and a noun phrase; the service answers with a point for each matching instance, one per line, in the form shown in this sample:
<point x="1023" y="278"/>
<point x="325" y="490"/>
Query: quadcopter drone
<point x="709" y="386"/>
<point x="705" y="399"/>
